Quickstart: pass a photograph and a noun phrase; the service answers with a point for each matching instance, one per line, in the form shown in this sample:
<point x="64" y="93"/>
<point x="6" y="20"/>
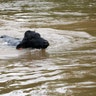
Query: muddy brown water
<point x="68" y="66"/>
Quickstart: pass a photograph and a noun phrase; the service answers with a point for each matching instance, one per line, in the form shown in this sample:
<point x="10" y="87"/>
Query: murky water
<point x="68" y="66"/>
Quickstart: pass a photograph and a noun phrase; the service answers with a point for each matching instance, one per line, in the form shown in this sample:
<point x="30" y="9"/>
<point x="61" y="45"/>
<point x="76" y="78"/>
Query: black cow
<point x="31" y="39"/>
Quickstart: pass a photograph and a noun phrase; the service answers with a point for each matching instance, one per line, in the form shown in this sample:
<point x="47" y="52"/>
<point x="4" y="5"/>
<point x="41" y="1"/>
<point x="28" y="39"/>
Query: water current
<point x="68" y="66"/>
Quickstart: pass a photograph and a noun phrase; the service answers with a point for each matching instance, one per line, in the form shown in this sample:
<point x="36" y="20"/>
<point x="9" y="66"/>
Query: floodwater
<point x="68" y="66"/>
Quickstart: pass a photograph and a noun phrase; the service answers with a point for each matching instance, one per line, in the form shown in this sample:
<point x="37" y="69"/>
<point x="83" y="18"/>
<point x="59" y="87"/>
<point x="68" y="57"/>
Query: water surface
<point x="68" y="66"/>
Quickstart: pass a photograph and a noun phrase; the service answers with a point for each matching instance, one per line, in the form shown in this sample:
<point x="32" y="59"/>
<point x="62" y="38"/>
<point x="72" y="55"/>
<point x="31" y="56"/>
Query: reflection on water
<point x="67" y="66"/>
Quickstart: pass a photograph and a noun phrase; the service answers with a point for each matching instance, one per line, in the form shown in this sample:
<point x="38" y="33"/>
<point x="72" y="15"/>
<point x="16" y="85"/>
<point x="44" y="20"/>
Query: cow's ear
<point x="37" y="35"/>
